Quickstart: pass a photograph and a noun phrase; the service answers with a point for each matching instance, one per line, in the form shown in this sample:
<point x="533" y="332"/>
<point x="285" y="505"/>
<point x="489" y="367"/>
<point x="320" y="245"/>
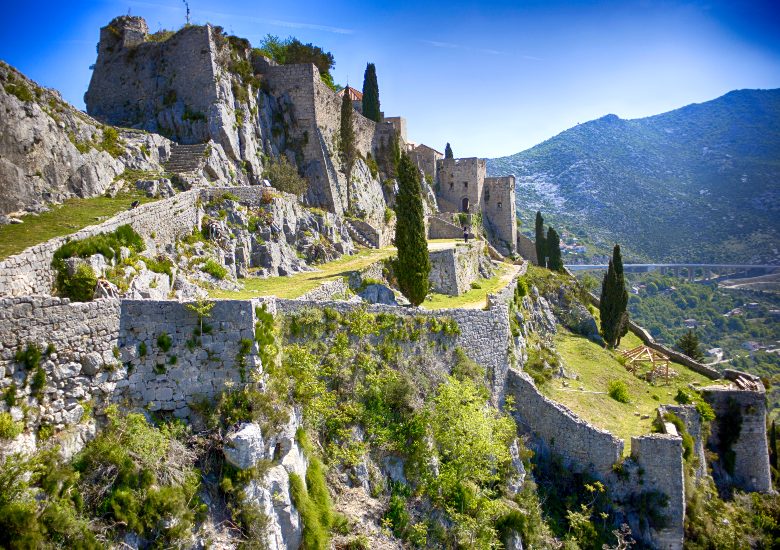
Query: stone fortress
<point x="181" y="88"/>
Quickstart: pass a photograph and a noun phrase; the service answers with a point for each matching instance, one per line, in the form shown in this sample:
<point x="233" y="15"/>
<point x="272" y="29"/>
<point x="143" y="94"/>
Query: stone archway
<point x="464" y="205"/>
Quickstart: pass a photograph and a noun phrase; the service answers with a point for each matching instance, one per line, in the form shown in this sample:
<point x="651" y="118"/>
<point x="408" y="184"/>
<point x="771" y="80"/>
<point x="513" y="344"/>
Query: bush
<point x="19" y="90"/>
<point x="284" y="177"/>
<point x="9" y="428"/>
<point x="618" y="391"/>
<point x="111" y="142"/>
<point x="164" y="341"/>
<point x="214" y="269"/>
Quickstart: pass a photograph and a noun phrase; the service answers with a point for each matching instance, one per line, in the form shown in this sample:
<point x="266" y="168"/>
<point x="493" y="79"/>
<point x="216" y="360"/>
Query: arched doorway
<point x="465" y="204"/>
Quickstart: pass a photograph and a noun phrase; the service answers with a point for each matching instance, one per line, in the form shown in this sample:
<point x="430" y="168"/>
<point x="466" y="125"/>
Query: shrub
<point x="79" y="287"/>
<point x="19" y="90"/>
<point x="30" y="357"/>
<point x="284" y="177"/>
<point x="9" y="428"/>
<point x="164" y="341"/>
<point x="618" y="391"/>
<point x="214" y="269"/>
<point x="111" y="142"/>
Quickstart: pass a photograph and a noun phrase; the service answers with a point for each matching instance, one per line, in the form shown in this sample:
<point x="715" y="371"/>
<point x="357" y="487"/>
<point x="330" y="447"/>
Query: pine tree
<point x="541" y="249"/>
<point x="552" y="244"/>
<point x="448" y="152"/>
<point x="614" y="301"/>
<point x="371" y="107"/>
<point x="413" y="264"/>
<point x="689" y="345"/>
<point x="347" y="150"/>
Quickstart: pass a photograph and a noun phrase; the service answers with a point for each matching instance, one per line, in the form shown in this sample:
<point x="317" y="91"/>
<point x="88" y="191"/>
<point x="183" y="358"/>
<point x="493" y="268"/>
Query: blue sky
<point x="492" y="78"/>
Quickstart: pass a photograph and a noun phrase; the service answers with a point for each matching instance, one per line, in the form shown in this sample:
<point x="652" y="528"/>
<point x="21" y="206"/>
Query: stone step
<point x="186" y="158"/>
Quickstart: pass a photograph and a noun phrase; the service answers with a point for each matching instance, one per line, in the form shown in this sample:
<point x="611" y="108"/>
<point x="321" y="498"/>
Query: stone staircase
<point x="187" y="159"/>
<point x="357" y="235"/>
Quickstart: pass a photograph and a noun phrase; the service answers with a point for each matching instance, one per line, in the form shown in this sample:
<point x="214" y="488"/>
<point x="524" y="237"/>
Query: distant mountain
<point x="701" y="183"/>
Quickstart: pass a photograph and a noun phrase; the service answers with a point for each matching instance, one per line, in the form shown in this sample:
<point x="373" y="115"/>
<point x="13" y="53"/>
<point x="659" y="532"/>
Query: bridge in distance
<point x="690" y="271"/>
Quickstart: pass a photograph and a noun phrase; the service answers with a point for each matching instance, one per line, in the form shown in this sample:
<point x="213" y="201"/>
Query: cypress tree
<point x="552" y="244"/>
<point x="614" y="300"/>
<point x="448" y="152"/>
<point x="541" y="249"/>
<point x="347" y="150"/>
<point x="413" y="264"/>
<point x="371" y="94"/>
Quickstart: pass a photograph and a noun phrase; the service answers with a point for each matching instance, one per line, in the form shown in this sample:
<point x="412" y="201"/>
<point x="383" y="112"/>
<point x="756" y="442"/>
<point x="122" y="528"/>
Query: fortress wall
<point x="751" y="458"/>
<point x="581" y="445"/>
<point x="659" y="457"/>
<point x="30" y="272"/>
<point x="459" y="178"/>
<point x="526" y="248"/>
<point x="439" y="229"/>
<point x="484" y="334"/>
<point x="98" y="354"/>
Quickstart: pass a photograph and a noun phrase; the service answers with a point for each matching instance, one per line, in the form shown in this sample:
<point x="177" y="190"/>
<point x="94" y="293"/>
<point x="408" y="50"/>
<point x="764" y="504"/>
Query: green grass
<point x="72" y="215"/>
<point x="295" y="286"/>
<point x="597" y="367"/>
<point x="474" y="297"/>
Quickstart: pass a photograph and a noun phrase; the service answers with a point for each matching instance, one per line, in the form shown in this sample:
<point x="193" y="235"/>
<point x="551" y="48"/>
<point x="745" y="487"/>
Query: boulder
<point x="244" y="447"/>
<point x="378" y="294"/>
<point x="91" y="363"/>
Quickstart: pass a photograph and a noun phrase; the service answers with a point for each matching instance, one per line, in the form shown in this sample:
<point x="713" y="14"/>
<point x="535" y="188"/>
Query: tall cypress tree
<point x="552" y="244"/>
<point x="413" y="265"/>
<point x="371" y="94"/>
<point x="448" y="152"/>
<point x="689" y="345"/>
<point x="614" y="300"/>
<point x="541" y="249"/>
<point x="347" y="150"/>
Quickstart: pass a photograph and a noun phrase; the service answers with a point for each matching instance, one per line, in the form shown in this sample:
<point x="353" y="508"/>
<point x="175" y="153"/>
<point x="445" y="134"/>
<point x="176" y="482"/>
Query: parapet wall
<point x="30" y="272"/>
<point x="580" y="444"/>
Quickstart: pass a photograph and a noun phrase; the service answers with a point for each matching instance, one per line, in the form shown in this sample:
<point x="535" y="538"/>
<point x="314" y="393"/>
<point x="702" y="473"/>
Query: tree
<point x="371" y="94"/>
<point x="202" y="308"/>
<point x="448" y="152"/>
<point x="614" y="300"/>
<point x="413" y="264"/>
<point x="540" y="246"/>
<point x="284" y="177"/>
<point x="347" y="150"/>
<point x="689" y="345"/>
<point x="552" y="244"/>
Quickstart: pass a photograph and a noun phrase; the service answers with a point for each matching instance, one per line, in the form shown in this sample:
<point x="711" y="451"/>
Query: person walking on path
<point x="465" y="234"/>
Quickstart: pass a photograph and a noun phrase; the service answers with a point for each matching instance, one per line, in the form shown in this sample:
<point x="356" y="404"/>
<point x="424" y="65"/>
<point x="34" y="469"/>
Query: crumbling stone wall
<point x="454" y="269"/>
<point x="745" y="411"/>
<point x="560" y="431"/>
<point x="425" y="158"/>
<point x="30" y="272"/>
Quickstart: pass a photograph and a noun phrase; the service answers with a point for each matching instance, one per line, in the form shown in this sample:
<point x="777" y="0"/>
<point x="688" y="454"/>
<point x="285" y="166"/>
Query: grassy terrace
<point x="294" y="286"/>
<point x="72" y="215"/>
<point x="596" y="367"/>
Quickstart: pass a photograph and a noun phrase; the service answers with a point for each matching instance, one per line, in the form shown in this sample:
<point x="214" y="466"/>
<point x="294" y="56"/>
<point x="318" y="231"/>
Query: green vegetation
<point x="20" y="90"/>
<point x="347" y="148"/>
<point x="81" y="284"/>
<point x="413" y="264"/>
<point x="292" y="51"/>
<point x="689" y="345"/>
<point x="448" y="151"/>
<point x="552" y="248"/>
<point x="618" y="391"/>
<point x="111" y="142"/>
<point x="613" y="302"/>
<point x="541" y="247"/>
<point x="597" y="368"/>
<point x="72" y="215"/>
<point x="371" y="108"/>
<point x="215" y="269"/>
<point x="725" y="318"/>
<point x="284" y="176"/>
<point x="9" y="428"/>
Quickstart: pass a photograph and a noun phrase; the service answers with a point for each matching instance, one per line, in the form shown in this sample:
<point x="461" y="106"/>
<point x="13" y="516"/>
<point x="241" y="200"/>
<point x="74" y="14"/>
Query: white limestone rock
<point x="244" y="447"/>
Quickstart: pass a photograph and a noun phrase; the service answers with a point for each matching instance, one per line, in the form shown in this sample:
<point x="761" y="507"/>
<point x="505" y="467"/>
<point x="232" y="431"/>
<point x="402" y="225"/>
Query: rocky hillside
<point x="694" y="184"/>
